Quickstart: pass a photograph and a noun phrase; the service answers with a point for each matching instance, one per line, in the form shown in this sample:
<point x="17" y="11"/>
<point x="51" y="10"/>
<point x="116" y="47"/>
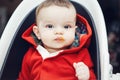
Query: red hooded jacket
<point x="38" y="66"/>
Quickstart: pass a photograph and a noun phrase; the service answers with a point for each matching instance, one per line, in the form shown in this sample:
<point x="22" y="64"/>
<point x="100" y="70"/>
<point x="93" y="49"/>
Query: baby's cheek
<point x="70" y="37"/>
<point x="69" y="41"/>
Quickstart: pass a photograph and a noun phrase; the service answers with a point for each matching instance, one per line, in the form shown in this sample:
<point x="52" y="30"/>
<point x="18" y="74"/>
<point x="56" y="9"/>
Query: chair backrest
<point x="18" y="47"/>
<point x="94" y="46"/>
<point x="13" y="59"/>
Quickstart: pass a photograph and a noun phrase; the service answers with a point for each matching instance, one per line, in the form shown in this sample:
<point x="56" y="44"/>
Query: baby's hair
<point x="47" y="3"/>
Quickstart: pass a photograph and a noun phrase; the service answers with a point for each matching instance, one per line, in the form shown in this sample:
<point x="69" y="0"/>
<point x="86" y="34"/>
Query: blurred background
<point x="111" y="11"/>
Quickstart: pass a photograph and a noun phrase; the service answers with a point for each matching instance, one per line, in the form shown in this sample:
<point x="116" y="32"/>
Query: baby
<point x="59" y="50"/>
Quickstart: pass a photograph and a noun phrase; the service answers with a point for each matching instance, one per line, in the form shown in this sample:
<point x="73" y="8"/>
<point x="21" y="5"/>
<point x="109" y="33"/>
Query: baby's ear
<point x="76" y="26"/>
<point x="36" y="31"/>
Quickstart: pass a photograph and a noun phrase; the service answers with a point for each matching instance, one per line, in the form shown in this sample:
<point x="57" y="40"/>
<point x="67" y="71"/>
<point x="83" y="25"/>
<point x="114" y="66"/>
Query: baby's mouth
<point x="61" y="39"/>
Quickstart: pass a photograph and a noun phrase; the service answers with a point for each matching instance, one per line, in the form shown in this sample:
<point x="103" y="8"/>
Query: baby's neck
<point x="50" y="50"/>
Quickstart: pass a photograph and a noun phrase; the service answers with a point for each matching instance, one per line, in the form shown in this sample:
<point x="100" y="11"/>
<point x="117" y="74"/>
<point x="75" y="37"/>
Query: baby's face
<point x="57" y="27"/>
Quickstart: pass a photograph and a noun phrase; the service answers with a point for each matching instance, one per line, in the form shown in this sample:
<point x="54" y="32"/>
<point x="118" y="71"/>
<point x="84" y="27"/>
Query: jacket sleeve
<point x="25" y="70"/>
<point x="88" y="61"/>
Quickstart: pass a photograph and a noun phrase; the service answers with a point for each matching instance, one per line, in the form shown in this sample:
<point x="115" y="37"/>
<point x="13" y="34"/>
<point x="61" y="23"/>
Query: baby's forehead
<point x="71" y="8"/>
<point x="56" y="13"/>
<point x="56" y="6"/>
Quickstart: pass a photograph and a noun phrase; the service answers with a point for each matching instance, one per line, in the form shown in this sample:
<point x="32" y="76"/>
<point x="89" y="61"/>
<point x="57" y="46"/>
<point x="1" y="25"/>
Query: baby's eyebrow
<point x="70" y="21"/>
<point x="48" y="21"/>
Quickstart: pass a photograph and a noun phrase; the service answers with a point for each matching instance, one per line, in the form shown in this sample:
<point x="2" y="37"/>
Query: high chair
<point x="12" y="47"/>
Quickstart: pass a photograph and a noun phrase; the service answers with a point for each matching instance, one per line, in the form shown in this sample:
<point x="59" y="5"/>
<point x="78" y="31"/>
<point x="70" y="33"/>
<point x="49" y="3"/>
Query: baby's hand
<point x="82" y="71"/>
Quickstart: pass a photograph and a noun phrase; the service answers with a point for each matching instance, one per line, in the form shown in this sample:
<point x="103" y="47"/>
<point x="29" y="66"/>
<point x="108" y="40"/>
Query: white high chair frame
<point x="92" y="7"/>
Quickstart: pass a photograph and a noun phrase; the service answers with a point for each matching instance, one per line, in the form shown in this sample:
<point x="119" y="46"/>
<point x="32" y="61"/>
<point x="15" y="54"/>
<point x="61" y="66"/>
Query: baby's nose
<point x="59" y="31"/>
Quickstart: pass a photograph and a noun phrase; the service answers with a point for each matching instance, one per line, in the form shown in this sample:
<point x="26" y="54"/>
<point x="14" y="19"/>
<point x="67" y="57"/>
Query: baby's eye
<point x="49" y="26"/>
<point x="67" y="26"/>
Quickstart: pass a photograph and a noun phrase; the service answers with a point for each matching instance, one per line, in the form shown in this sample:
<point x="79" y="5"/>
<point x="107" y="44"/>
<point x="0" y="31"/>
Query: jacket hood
<point x="84" y="40"/>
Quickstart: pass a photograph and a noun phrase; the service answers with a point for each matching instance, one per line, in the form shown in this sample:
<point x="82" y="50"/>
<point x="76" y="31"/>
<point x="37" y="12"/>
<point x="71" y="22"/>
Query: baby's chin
<point x="61" y="47"/>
